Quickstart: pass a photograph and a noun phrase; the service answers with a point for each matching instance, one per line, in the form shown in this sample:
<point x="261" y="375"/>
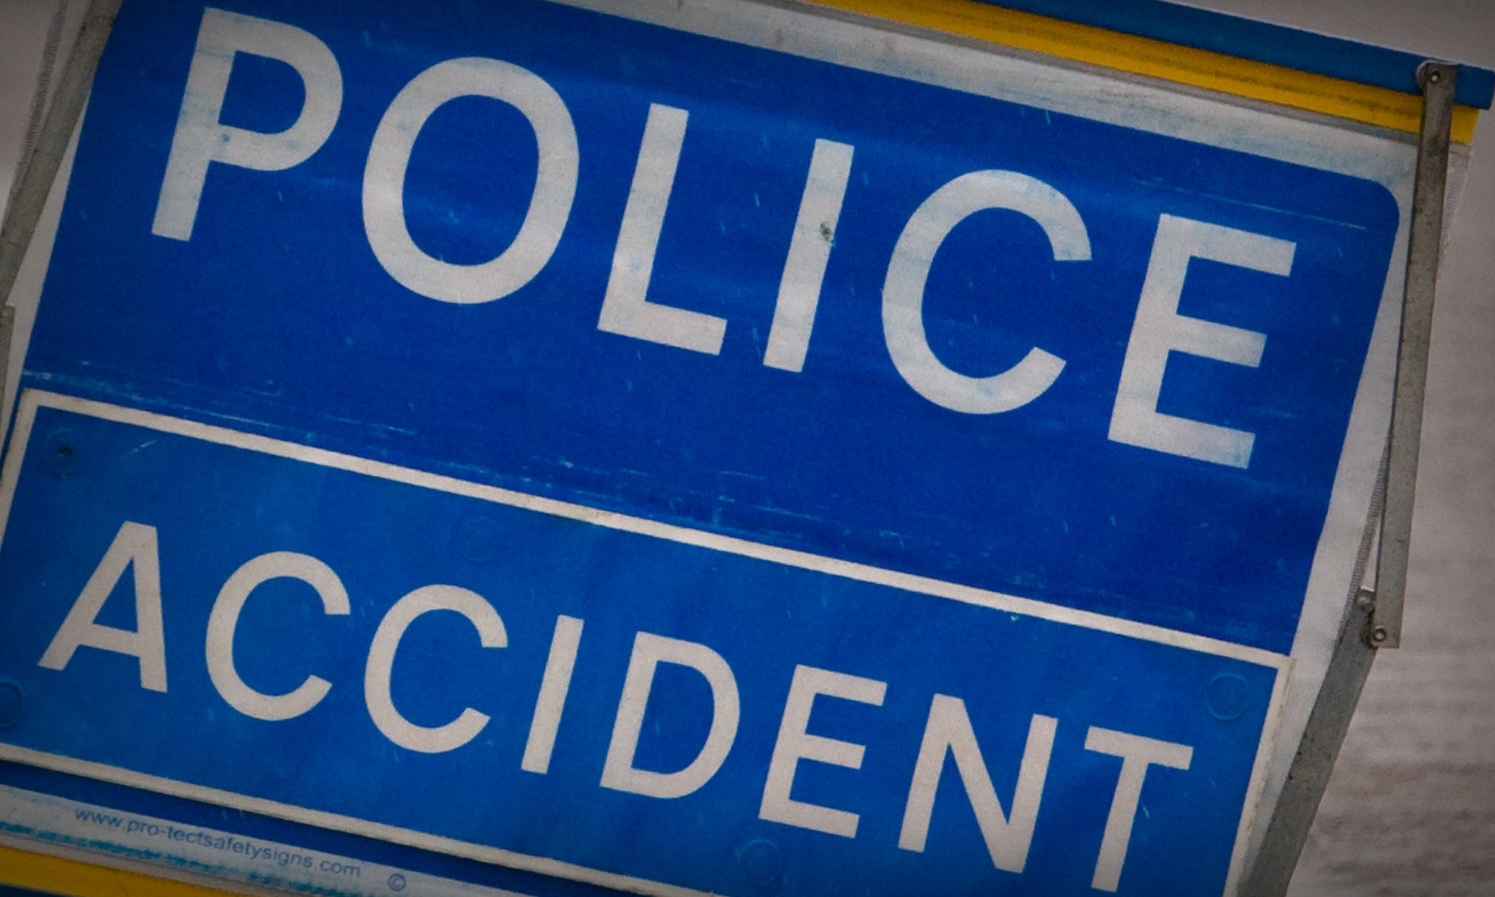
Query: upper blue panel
<point x="276" y="317"/>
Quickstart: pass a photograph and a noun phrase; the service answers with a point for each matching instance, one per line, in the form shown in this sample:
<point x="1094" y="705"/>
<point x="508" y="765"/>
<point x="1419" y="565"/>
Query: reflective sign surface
<point x="665" y="462"/>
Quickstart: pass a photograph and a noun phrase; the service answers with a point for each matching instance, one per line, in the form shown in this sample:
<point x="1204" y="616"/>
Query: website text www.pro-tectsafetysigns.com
<point x="209" y="852"/>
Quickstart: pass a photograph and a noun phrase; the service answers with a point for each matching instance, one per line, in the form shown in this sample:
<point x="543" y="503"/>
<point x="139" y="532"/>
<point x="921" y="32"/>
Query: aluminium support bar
<point x="7" y="333"/>
<point x="1317" y="753"/>
<point x="39" y="168"/>
<point x="1424" y="248"/>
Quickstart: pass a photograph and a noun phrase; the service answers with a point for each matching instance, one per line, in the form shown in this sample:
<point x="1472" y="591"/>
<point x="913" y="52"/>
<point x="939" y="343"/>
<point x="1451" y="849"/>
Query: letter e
<point x="1159" y="329"/>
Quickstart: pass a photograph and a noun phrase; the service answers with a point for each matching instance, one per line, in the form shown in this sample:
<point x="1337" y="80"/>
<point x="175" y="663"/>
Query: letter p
<point x="201" y="138"/>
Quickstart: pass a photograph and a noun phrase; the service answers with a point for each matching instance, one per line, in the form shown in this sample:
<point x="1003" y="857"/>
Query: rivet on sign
<point x="1379" y="635"/>
<point x="1435" y="76"/>
<point x="762" y="861"/>
<point x="12" y="702"/>
<point x="62" y="455"/>
<point x="1227" y="697"/>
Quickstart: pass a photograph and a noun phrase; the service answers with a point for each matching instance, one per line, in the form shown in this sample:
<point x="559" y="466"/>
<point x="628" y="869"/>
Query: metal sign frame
<point x="1374" y="617"/>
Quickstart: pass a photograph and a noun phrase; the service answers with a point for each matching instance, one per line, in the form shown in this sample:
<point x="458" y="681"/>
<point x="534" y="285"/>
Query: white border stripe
<point x="47" y="823"/>
<point x="33" y="399"/>
<point x="336" y="822"/>
<point x="1250" y="823"/>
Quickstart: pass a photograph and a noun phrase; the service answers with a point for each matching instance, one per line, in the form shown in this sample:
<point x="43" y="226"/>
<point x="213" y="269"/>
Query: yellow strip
<point x="71" y="878"/>
<point x="1165" y="61"/>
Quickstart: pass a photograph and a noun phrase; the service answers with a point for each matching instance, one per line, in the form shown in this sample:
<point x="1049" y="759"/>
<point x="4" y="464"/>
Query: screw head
<point x="1379" y="634"/>
<point x="762" y="862"/>
<point x="64" y="454"/>
<point x="1435" y="76"/>
<point x="12" y="703"/>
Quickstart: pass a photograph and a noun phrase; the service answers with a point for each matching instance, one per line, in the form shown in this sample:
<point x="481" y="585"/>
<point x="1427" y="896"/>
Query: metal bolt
<point x="1435" y="76"/>
<point x="1379" y="635"/>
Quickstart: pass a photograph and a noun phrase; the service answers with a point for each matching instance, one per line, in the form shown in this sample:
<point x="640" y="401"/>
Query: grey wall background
<point x="1411" y="807"/>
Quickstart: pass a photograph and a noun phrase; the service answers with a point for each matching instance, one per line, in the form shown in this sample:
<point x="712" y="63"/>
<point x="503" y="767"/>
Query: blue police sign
<point x="678" y="455"/>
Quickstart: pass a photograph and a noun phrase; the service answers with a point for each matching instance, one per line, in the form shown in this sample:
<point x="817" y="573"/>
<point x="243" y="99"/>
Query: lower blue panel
<point x="797" y="730"/>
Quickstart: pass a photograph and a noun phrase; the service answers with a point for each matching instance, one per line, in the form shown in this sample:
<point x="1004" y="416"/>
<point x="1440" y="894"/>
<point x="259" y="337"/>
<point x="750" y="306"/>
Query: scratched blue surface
<point x="276" y="317"/>
<point x="214" y="507"/>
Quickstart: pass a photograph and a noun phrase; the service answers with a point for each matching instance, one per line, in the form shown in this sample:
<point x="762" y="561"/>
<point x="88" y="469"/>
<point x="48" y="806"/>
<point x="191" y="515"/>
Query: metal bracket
<point x="1424" y="248"/>
<point x="1374" y="619"/>
<point x="39" y="168"/>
